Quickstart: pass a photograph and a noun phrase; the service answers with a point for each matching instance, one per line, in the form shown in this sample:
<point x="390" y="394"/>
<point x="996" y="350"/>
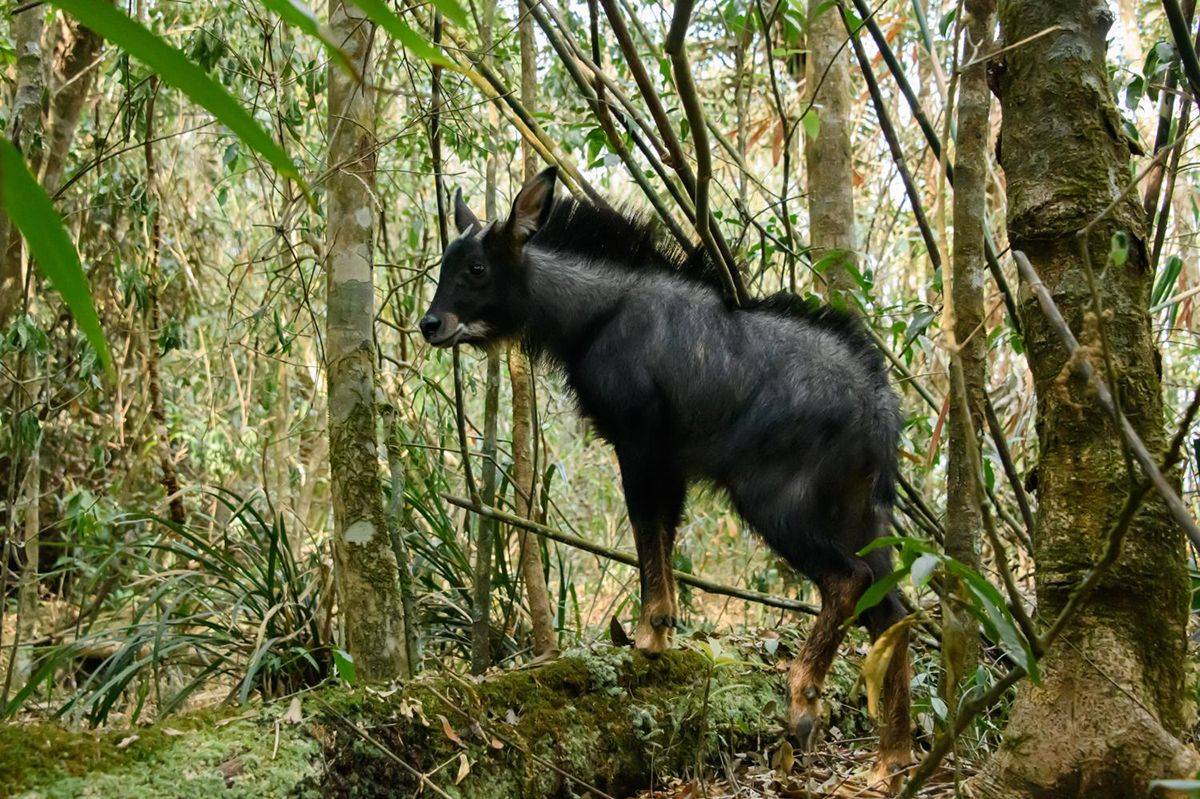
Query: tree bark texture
<point x="965" y="314"/>
<point x="24" y="130"/>
<point x="365" y="566"/>
<point x="541" y="615"/>
<point x="828" y="156"/>
<point x="1103" y="721"/>
<point x="72" y="76"/>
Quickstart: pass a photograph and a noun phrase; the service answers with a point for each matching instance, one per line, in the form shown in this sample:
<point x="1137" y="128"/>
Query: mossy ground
<point x="607" y="717"/>
<point x="193" y="756"/>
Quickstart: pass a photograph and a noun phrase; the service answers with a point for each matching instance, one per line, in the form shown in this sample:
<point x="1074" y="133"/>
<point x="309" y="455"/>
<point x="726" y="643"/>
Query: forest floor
<point x="832" y="771"/>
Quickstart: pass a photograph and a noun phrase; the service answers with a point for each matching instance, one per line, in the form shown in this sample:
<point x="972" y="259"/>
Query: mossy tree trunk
<point x="1103" y="721"/>
<point x="965" y="316"/>
<point x="828" y="157"/>
<point x="73" y="73"/>
<point x="365" y="566"/>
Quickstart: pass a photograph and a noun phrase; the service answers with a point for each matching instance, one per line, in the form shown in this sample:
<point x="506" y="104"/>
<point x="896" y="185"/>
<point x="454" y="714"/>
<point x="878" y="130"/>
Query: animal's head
<point x="480" y="283"/>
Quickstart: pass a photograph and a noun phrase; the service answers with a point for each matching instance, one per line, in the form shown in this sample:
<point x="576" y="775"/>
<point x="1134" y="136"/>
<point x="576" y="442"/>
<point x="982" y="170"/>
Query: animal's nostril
<point x="429" y="325"/>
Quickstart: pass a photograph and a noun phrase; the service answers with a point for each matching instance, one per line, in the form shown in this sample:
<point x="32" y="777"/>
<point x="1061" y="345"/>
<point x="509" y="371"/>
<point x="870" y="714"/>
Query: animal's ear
<point x="531" y="206"/>
<point x="464" y="219"/>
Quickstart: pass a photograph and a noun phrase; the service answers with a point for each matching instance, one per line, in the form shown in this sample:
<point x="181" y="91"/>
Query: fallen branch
<point x="629" y="560"/>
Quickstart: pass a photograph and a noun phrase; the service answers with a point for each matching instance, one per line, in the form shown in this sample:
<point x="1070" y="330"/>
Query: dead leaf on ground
<point x="450" y="733"/>
<point x="464" y="768"/>
<point x="294" y="714"/>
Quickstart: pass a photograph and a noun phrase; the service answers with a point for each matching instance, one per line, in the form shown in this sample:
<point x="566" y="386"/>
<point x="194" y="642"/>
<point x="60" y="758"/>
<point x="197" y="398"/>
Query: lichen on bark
<point x="364" y="563"/>
<point x="1102" y="721"/>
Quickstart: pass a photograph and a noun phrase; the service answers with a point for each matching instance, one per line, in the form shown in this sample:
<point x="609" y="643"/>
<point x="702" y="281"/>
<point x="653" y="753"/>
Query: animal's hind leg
<point x="895" y="731"/>
<point x="841" y="583"/>
<point x="654" y="494"/>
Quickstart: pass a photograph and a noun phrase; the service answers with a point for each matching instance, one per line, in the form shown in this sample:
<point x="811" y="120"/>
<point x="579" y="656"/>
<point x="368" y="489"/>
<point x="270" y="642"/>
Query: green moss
<point x="189" y="757"/>
<point x="611" y="717"/>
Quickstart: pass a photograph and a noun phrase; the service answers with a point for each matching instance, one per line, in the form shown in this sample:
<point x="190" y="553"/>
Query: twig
<point x="893" y="142"/>
<point x="461" y="425"/>
<point x="1183" y="45"/>
<point x="350" y="725"/>
<point x="935" y="145"/>
<point x="629" y="560"/>
<point x="676" y="48"/>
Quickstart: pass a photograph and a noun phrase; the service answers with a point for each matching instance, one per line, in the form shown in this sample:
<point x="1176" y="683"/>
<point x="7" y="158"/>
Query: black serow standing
<point x="786" y="407"/>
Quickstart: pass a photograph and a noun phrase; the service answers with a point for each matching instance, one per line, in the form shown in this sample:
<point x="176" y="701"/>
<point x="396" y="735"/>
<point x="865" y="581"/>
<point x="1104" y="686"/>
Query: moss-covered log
<point x="610" y="719"/>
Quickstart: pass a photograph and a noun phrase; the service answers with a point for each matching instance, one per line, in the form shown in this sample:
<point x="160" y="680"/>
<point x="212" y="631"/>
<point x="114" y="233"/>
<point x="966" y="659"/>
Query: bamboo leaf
<point x="174" y="68"/>
<point x="53" y="252"/>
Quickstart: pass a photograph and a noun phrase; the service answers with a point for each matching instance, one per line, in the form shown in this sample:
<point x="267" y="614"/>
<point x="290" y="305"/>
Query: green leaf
<point x="878" y="590"/>
<point x="811" y="123"/>
<point x="344" y="663"/>
<point x="32" y="212"/>
<point x="922" y="569"/>
<point x="1166" y="280"/>
<point x="174" y="68"/>
<point x="997" y="616"/>
<point x="1118" y="252"/>
<point x="409" y="39"/>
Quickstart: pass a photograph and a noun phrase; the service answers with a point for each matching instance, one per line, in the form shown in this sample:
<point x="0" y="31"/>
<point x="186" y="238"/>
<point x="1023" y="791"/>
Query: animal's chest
<point x="619" y="398"/>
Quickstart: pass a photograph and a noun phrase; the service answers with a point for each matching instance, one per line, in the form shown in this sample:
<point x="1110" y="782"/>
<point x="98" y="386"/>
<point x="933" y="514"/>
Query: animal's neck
<point x="569" y="297"/>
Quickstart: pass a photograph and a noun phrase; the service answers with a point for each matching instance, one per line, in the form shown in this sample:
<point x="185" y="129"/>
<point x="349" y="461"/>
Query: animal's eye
<point x="477" y="269"/>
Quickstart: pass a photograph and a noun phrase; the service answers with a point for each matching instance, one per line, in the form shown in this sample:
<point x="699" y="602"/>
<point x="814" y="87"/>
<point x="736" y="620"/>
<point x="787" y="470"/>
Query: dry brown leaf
<point x="295" y="713"/>
<point x="875" y="664"/>
<point x="450" y="733"/>
<point x="127" y="741"/>
<point x="464" y="768"/>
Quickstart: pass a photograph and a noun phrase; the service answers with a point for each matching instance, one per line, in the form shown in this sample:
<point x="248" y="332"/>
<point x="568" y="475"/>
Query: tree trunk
<point x="169" y="477"/>
<point x="24" y="130"/>
<point x="964" y="315"/>
<point x="609" y="718"/>
<point x="76" y="51"/>
<point x="1103" y="721"/>
<point x="828" y="156"/>
<point x="520" y="375"/>
<point x="365" y="567"/>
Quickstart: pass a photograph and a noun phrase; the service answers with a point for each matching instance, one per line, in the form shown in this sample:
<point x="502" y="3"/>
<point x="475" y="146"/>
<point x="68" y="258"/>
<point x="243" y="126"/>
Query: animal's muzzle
<point x="430" y="324"/>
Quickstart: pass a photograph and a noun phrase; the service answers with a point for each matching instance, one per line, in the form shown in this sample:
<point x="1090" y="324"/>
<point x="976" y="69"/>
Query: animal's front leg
<point x="654" y="494"/>
<point x="659" y="608"/>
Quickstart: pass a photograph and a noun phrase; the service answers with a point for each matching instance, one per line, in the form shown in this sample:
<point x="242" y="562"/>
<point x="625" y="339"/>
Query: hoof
<point x="653" y="635"/>
<point x="887" y="775"/>
<point x="804" y="718"/>
<point x="806" y="731"/>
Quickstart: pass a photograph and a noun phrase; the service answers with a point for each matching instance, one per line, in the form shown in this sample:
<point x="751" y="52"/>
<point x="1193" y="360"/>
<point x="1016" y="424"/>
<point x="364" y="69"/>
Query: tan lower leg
<point x="807" y="676"/>
<point x="895" y="732"/>
<point x="659" y="608"/>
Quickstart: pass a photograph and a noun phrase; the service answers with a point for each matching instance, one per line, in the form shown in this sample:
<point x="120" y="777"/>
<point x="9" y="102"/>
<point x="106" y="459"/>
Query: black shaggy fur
<point x="784" y="405"/>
